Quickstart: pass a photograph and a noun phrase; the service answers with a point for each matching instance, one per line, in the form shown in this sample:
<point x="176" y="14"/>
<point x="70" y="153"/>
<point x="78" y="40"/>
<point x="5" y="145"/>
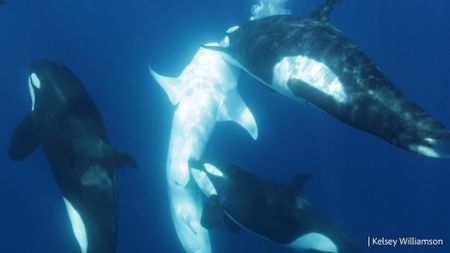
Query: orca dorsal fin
<point x="297" y="183"/>
<point x="212" y="214"/>
<point x="119" y="158"/>
<point x="323" y="12"/>
<point x="24" y="140"/>
<point x="123" y="159"/>
<point x="171" y="85"/>
<point x="234" y="109"/>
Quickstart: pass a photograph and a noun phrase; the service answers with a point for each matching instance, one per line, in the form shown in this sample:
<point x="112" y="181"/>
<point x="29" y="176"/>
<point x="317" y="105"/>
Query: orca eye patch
<point x="35" y="80"/>
<point x="211" y="169"/>
<point x="232" y="29"/>
<point x="33" y="96"/>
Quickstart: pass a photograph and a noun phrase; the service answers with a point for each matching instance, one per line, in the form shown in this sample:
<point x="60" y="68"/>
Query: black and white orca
<point x="308" y="59"/>
<point x="277" y="212"/>
<point x="65" y="121"/>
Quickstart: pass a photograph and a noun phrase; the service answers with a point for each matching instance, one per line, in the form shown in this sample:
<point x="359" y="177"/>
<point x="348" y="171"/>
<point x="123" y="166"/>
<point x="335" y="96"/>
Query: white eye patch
<point x="232" y="29"/>
<point x="213" y="170"/>
<point x="225" y="42"/>
<point x="203" y="182"/>
<point x="35" y="80"/>
<point x="33" y="97"/>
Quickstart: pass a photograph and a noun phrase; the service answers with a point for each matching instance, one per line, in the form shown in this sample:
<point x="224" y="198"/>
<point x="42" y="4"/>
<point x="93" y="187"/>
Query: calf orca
<point x="277" y="212"/>
<point x="65" y="121"/>
<point x="308" y="59"/>
<point x="205" y="93"/>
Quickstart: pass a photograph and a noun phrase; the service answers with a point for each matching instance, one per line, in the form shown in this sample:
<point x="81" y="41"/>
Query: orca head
<point x="227" y="47"/>
<point x="51" y="85"/>
<point x="209" y="178"/>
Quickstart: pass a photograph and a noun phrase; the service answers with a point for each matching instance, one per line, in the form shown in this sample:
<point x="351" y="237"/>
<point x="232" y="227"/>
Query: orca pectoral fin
<point x="171" y="85"/>
<point x="233" y="226"/>
<point x="24" y="140"/>
<point x="297" y="183"/>
<point x="234" y="109"/>
<point x="212" y="214"/>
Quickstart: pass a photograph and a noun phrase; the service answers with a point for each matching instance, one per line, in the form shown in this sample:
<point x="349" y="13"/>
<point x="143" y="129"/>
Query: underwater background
<point x="364" y="185"/>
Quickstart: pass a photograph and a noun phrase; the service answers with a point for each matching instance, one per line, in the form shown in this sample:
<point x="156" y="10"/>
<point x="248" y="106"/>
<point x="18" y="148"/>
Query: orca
<point x="277" y="212"/>
<point x="204" y="94"/>
<point x="309" y="59"/>
<point x="65" y="121"/>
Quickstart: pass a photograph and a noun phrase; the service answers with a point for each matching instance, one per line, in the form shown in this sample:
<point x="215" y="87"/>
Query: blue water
<point x="366" y="186"/>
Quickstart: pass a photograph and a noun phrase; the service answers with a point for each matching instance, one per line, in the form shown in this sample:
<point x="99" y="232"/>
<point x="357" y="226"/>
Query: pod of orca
<point x="303" y="58"/>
